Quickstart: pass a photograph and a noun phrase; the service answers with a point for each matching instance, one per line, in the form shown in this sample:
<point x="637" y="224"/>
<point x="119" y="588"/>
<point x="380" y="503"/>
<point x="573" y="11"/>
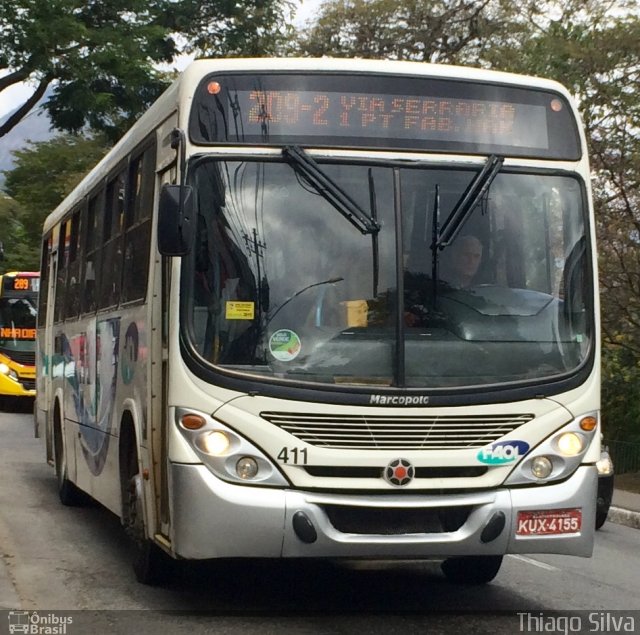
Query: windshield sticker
<point x="285" y="345"/>
<point x="239" y="310"/>
<point x="503" y="452"/>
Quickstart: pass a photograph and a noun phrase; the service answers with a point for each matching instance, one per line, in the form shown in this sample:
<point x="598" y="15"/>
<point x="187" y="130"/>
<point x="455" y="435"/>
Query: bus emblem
<point x="503" y="452"/>
<point x="399" y="472"/>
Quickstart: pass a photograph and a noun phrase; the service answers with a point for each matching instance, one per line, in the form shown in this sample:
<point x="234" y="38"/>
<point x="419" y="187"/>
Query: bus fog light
<point x="247" y="468"/>
<point x="215" y="443"/>
<point x="541" y="467"/>
<point x="570" y="444"/>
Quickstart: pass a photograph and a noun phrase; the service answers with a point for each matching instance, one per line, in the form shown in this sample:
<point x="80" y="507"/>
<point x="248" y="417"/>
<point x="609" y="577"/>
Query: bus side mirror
<point x="175" y="228"/>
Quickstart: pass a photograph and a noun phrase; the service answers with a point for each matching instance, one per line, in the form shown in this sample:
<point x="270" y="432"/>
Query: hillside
<point x="34" y="127"/>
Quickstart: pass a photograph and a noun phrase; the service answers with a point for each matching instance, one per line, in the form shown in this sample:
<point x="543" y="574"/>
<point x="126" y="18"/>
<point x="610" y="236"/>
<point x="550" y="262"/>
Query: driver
<point x="463" y="262"/>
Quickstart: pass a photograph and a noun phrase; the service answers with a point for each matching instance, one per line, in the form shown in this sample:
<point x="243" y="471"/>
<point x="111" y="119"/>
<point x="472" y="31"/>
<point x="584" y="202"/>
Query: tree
<point x="12" y="235"/>
<point x="44" y="173"/>
<point x="101" y="56"/>
<point x="448" y="31"/>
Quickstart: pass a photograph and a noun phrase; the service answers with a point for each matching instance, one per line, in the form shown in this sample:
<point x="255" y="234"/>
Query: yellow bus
<point x="331" y="309"/>
<point x="18" y="309"/>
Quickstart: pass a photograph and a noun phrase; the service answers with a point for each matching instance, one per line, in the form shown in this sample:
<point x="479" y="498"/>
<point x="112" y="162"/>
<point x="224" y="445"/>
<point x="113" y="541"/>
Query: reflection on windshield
<point x="281" y="285"/>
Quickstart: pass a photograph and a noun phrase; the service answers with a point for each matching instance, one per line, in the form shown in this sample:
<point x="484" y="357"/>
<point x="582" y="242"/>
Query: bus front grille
<point x="388" y="522"/>
<point x="26" y="358"/>
<point x="378" y="432"/>
<point x="339" y="471"/>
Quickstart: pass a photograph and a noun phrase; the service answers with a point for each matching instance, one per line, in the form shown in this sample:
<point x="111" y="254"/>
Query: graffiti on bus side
<point x="91" y="371"/>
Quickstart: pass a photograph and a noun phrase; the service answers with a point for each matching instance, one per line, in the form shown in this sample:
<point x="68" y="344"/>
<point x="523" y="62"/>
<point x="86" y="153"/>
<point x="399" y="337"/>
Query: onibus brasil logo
<point x="38" y="623"/>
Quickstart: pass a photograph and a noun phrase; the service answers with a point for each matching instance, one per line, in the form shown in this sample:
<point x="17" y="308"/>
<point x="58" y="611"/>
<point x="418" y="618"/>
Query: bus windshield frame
<point x="538" y="308"/>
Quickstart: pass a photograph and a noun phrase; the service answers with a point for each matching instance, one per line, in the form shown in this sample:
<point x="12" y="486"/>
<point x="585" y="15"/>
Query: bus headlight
<point x="247" y="468"/>
<point x="541" y="467"/>
<point x="230" y="456"/>
<point x="570" y="444"/>
<point x="559" y="455"/>
<point x="5" y="370"/>
<point x="214" y="442"/>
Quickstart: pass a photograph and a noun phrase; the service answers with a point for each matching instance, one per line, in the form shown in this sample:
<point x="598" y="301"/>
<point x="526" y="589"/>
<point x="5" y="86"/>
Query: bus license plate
<point x="549" y="522"/>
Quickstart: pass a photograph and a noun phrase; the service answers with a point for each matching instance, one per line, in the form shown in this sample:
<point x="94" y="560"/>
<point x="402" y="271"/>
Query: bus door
<point x="166" y="172"/>
<point x="48" y="353"/>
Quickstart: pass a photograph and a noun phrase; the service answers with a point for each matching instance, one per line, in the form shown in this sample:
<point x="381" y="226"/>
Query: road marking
<point x="536" y="563"/>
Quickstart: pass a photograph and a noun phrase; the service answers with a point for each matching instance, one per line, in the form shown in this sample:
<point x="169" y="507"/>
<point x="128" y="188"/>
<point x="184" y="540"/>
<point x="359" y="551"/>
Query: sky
<point x="15" y="96"/>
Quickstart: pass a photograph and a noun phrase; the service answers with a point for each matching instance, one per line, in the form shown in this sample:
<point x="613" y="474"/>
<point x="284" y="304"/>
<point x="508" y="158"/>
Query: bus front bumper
<point x="215" y="519"/>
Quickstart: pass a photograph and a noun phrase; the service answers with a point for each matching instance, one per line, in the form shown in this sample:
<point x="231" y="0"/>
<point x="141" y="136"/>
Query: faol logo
<point x="503" y="452"/>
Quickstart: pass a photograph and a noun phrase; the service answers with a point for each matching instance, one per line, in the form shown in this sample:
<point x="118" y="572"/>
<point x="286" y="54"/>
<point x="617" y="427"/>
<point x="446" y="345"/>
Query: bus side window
<point x="137" y="239"/>
<point x="72" y="302"/>
<point x="91" y="255"/>
<point x="112" y="226"/>
<point x="44" y="281"/>
<point x="63" y="264"/>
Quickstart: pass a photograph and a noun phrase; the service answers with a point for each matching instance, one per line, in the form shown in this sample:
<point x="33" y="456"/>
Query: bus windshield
<point x="18" y="326"/>
<point x="281" y="284"/>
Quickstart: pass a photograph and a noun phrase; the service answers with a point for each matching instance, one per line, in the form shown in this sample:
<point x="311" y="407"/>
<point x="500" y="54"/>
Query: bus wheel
<point x="471" y="569"/>
<point x="150" y="563"/>
<point x="68" y="493"/>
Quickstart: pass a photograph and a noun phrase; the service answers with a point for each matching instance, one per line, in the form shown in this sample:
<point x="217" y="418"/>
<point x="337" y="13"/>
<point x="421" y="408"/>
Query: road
<point x="56" y="558"/>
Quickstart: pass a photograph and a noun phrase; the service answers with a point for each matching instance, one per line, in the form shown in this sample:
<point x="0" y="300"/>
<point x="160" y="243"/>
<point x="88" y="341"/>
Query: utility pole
<point x="256" y="247"/>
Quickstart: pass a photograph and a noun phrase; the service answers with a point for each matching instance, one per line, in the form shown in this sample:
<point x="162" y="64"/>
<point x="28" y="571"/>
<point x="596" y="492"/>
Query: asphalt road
<point x="73" y="562"/>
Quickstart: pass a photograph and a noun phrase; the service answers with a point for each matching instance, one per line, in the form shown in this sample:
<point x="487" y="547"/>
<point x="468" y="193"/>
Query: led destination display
<point x="384" y="112"/>
<point x="21" y="283"/>
<point x="279" y="113"/>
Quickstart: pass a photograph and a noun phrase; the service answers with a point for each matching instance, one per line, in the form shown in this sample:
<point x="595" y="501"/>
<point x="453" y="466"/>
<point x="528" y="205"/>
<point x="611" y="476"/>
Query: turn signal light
<point x="588" y="423"/>
<point x="193" y="422"/>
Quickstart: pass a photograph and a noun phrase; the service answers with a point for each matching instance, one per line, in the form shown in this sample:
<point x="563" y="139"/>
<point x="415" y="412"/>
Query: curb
<point x="624" y="517"/>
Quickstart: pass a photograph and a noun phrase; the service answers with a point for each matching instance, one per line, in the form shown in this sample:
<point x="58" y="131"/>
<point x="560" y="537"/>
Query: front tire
<point x="150" y="564"/>
<point x="601" y="518"/>
<point x="471" y="569"/>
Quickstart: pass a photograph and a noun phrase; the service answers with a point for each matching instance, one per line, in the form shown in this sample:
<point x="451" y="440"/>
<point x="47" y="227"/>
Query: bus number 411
<point x="296" y="456"/>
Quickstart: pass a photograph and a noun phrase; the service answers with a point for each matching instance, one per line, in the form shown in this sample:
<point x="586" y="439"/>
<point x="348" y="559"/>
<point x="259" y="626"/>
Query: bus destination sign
<point x="279" y="112"/>
<point x="26" y="284"/>
<point x="383" y="112"/>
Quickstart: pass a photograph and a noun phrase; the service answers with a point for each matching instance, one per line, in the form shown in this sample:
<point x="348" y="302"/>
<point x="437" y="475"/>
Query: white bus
<point x="333" y="309"/>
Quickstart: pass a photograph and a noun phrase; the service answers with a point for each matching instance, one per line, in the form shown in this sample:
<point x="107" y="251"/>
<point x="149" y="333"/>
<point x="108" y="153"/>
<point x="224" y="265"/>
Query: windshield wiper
<point x="471" y="197"/>
<point x="327" y="187"/>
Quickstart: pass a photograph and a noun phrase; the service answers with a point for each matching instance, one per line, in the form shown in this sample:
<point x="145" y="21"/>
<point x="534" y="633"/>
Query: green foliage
<point x="620" y="395"/>
<point x="252" y="28"/>
<point x="44" y="173"/>
<point x="12" y="238"/>
<point x="101" y="56"/>
<point x="421" y="30"/>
